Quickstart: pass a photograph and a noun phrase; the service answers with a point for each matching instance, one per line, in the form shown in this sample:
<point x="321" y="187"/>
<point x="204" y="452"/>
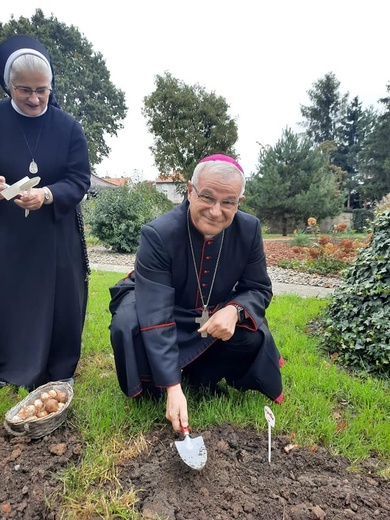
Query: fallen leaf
<point x="290" y="447"/>
<point x="6" y="508"/>
<point x="341" y="425"/>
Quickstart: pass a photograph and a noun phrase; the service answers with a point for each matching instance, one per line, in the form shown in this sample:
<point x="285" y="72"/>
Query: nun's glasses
<point x="27" y="91"/>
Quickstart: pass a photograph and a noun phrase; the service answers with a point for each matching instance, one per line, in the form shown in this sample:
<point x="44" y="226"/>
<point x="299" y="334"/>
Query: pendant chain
<point x="205" y="305"/>
<point x="33" y="167"/>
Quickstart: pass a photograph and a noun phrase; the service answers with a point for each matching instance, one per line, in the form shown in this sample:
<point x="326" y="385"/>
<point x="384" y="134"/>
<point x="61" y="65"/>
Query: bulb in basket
<point x="47" y="403"/>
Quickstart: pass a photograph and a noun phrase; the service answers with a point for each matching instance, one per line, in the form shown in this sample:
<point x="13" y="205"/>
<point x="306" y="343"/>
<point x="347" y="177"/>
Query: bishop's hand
<point x="222" y="324"/>
<point x="176" y="408"/>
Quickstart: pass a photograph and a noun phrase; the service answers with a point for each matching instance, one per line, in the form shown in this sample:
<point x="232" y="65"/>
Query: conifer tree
<point x="293" y="182"/>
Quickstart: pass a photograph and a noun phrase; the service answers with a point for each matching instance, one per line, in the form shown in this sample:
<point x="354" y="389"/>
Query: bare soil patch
<point x="236" y="483"/>
<point x="29" y="485"/>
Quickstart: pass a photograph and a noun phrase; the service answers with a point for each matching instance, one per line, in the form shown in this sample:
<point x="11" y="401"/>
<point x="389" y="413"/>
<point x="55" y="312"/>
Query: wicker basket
<point x="38" y="427"/>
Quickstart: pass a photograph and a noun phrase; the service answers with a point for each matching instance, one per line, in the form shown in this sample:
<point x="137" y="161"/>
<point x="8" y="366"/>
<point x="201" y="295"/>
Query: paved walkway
<point x="301" y="290"/>
<point x="278" y="288"/>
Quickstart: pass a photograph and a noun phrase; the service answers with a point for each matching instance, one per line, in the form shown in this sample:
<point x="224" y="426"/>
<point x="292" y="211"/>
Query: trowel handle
<point x="185" y="430"/>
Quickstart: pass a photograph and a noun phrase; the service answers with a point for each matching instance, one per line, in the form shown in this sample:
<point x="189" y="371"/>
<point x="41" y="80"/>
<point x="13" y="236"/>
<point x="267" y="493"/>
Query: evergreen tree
<point x="375" y="175"/>
<point x="327" y="108"/>
<point x="82" y="81"/>
<point x="188" y="124"/>
<point x="293" y="182"/>
<point x="355" y="126"/>
<point x="345" y="129"/>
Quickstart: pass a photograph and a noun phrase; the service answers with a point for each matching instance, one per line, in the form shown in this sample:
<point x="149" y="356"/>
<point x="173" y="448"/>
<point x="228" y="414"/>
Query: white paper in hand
<point x="18" y="187"/>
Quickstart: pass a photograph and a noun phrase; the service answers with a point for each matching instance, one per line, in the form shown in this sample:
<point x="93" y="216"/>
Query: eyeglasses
<point x="211" y="201"/>
<point x="27" y="91"/>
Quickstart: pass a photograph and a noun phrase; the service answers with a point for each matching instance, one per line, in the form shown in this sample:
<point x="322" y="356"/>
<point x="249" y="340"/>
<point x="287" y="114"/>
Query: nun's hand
<point x="32" y="199"/>
<point x="3" y="186"/>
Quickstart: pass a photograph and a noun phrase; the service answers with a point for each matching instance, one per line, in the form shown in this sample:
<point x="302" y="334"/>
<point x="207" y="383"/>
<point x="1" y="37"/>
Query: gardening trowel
<point x="192" y="451"/>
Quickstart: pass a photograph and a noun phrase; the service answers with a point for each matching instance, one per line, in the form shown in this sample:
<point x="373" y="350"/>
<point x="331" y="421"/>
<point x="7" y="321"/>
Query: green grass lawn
<point x="323" y="404"/>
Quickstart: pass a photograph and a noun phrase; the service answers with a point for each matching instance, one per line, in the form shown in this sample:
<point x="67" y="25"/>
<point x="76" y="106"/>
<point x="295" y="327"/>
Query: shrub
<point x="119" y="213"/>
<point x="324" y="255"/>
<point x="322" y="265"/>
<point x="361" y="219"/>
<point x="384" y="203"/>
<point x="300" y="239"/>
<point x="355" y="326"/>
<point x="87" y="208"/>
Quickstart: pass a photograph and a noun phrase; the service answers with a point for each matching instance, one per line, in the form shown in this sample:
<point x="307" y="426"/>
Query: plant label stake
<point x="270" y="418"/>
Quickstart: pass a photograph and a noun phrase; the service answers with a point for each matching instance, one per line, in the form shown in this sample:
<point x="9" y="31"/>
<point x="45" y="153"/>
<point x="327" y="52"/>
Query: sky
<point x="262" y="57"/>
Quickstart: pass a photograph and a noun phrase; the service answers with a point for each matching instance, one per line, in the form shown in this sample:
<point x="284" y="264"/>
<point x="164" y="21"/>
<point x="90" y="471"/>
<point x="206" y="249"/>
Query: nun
<point x="43" y="259"/>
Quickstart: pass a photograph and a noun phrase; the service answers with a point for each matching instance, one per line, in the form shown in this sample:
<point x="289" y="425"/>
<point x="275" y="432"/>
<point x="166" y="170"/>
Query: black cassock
<point x="43" y="267"/>
<point x="153" y="329"/>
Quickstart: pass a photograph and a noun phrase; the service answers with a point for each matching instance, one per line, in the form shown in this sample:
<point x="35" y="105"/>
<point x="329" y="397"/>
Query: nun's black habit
<point x="43" y="262"/>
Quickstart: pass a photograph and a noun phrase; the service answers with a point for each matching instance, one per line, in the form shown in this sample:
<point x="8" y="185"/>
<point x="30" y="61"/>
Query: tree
<point x="375" y="175"/>
<point x="354" y="128"/>
<point x="346" y="128"/>
<point x="187" y="124"/>
<point x="294" y="181"/>
<point x="327" y="108"/>
<point x="82" y="80"/>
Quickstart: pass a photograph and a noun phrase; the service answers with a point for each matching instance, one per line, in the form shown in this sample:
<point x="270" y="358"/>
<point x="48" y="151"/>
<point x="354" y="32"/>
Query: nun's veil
<point x="23" y="43"/>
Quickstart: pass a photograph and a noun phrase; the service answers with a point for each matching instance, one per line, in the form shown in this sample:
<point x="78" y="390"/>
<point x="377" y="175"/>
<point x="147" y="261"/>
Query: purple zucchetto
<point x="221" y="157"/>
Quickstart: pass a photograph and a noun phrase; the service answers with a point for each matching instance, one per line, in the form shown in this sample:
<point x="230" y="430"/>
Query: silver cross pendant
<point x="202" y="320"/>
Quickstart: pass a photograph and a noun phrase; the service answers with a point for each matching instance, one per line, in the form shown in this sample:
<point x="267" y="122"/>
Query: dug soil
<point x="237" y="482"/>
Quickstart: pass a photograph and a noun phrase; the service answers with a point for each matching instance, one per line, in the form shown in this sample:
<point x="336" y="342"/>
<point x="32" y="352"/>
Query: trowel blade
<point x="192" y="451"/>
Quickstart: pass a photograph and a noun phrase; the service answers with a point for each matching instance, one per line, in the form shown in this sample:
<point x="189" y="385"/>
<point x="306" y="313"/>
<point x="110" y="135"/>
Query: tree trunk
<point x="284" y="227"/>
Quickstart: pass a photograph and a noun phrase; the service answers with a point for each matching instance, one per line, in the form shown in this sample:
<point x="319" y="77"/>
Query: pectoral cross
<point x="202" y="320"/>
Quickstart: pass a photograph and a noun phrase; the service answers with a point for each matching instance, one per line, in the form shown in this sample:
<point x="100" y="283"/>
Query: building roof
<point x="118" y="181"/>
<point x="169" y="179"/>
<point x="98" y="182"/>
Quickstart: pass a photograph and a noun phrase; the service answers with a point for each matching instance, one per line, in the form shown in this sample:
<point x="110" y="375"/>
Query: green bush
<point x="355" y="327"/>
<point x="323" y="265"/>
<point x="301" y="239"/>
<point x="361" y="219"/>
<point x="118" y="213"/>
<point x="88" y="208"/>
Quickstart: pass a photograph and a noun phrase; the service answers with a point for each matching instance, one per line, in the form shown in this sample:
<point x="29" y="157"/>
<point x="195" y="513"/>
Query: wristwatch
<point x="240" y="312"/>
<point x="47" y="195"/>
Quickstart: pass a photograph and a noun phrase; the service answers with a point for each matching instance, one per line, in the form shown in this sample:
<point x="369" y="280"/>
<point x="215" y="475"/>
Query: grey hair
<point x="29" y="63"/>
<point x="226" y="169"/>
